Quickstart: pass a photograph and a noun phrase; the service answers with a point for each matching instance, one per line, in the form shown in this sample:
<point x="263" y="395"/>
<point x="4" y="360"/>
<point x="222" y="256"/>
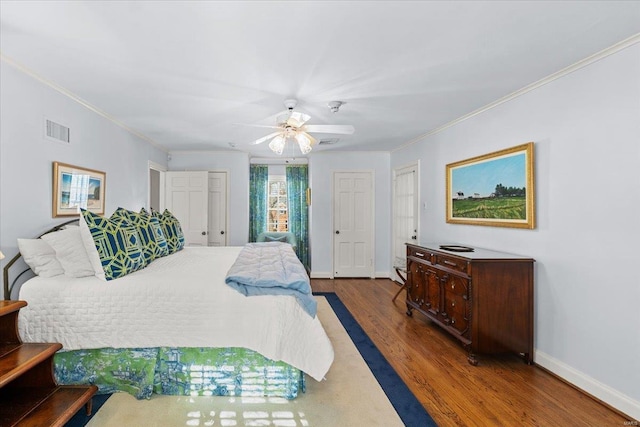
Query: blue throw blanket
<point x="271" y="268"/>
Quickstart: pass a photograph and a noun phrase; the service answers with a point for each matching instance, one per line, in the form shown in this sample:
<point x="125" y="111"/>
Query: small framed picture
<point x="75" y="187"/>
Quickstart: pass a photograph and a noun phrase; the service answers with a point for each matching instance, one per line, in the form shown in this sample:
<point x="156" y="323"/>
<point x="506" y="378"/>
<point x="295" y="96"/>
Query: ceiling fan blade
<point x="340" y="129"/>
<point x="264" y="138"/>
<point x="257" y="126"/>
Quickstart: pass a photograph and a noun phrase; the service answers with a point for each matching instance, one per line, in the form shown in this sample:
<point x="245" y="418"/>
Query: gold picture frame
<point x="495" y="189"/>
<point x="75" y="187"/>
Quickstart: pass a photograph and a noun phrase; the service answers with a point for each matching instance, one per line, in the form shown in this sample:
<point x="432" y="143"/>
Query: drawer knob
<point x="419" y="254"/>
<point x="453" y="303"/>
<point x="453" y="321"/>
<point x="453" y="286"/>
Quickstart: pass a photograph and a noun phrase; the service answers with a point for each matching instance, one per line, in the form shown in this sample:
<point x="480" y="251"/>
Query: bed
<point x="175" y="327"/>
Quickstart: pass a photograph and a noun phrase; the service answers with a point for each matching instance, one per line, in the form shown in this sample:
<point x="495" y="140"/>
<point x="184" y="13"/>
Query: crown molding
<point x="79" y="100"/>
<point x="563" y="72"/>
<point x="352" y="151"/>
<point x="213" y="151"/>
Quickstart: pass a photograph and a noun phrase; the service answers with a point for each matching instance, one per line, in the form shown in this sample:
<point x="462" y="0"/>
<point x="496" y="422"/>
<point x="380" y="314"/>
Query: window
<point x="277" y="215"/>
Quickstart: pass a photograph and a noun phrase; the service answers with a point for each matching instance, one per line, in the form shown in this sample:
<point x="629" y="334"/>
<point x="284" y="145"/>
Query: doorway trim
<point x="162" y="169"/>
<point x="416" y="165"/>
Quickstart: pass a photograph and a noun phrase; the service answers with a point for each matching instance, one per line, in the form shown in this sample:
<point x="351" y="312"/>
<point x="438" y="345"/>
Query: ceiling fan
<point x="292" y="125"/>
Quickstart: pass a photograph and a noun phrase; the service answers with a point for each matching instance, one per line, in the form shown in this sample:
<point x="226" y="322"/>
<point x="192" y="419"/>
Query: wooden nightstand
<point x="29" y="395"/>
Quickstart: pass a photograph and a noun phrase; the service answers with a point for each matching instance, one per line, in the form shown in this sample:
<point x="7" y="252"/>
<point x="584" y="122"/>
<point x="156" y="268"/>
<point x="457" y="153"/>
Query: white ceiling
<point x="186" y="75"/>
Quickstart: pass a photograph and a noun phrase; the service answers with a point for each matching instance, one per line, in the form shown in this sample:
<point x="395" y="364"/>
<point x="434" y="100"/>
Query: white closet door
<point x="217" y="209"/>
<point x="186" y="196"/>
<point x="352" y="222"/>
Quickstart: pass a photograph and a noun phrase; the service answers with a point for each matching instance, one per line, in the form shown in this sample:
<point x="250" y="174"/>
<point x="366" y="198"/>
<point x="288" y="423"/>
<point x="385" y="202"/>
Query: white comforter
<point x="177" y="301"/>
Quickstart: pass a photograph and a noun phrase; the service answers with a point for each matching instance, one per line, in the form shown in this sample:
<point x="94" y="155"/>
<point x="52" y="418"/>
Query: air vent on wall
<point x="328" y="141"/>
<point x="56" y="131"/>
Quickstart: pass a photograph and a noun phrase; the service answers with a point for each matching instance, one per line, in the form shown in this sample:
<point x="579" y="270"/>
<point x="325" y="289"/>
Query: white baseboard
<point x="610" y="396"/>
<point x="327" y="275"/>
<point x="320" y="275"/>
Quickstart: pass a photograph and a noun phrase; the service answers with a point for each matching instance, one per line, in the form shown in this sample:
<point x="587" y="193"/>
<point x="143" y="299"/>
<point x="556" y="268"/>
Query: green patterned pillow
<point x="152" y="235"/>
<point x="122" y="215"/>
<point x="154" y="244"/>
<point x="172" y="230"/>
<point x="118" y="245"/>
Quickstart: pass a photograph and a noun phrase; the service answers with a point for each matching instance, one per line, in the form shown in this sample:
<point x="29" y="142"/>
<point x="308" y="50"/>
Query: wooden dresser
<point x="483" y="298"/>
<point x="29" y="395"/>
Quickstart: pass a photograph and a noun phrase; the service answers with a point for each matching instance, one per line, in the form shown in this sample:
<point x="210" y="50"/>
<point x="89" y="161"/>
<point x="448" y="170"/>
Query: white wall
<point x="586" y="129"/>
<point x="236" y="163"/>
<point x="321" y="168"/>
<point x="26" y="156"/>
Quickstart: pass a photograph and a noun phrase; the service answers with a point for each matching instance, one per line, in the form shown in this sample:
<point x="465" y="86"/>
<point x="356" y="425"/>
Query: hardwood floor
<point x="500" y="391"/>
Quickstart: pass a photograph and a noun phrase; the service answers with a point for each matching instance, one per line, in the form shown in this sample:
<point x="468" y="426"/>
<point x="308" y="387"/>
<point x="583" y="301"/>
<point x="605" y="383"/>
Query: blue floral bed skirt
<point x="179" y="371"/>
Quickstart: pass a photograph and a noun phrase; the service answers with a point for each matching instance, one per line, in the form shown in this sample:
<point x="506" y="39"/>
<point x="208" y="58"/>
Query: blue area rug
<point x="405" y="403"/>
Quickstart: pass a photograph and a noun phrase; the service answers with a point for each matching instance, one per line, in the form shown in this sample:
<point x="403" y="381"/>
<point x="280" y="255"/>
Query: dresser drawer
<point x="419" y="253"/>
<point x="452" y="263"/>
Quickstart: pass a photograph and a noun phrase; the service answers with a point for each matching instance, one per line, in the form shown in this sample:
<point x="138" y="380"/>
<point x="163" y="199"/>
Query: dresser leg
<point x="528" y="358"/>
<point x="472" y="359"/>
<point x="409" y="310"/>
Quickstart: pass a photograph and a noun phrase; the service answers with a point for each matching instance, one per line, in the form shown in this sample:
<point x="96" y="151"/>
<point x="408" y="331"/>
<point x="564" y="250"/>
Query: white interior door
<point x="405" y="211"/>
<point x="217" y="209"/>
<point x="186" y="196"/>
<point x="352" y="223"/>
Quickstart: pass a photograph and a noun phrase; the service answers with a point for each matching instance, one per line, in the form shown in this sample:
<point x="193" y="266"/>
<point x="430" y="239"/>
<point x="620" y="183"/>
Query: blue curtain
<point x="258" y="181"/>
<point x="297" y="184"/>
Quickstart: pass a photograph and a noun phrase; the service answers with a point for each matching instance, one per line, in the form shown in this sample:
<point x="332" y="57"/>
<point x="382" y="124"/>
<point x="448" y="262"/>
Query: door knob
<point x="337" y="231"/>
<point x="204" y="233"/>
<point x="222" y="232"/>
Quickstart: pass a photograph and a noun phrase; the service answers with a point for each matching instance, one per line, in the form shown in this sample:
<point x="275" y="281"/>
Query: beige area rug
<point x="349" y="396"/>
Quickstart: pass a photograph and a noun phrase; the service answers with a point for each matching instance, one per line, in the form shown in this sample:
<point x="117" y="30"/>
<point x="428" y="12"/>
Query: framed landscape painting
<point x="495" y="189"/>
<point x="75" y="187"/>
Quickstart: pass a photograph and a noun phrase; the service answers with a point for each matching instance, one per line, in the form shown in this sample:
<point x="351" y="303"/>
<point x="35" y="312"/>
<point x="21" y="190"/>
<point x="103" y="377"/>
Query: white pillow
<point x="90" y="247"/>
<point x="70" y="252"/>
<point x="40" y="257"/>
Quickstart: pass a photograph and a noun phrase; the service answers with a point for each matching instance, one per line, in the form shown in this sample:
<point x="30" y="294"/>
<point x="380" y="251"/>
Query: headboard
<point x="6" y="273"/>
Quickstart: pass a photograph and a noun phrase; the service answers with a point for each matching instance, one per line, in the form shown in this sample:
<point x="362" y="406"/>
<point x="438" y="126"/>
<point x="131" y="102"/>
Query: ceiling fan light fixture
<point x="293" y="125"/>
<point x="304" y="143"/>
<point x="277" y="144"/>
